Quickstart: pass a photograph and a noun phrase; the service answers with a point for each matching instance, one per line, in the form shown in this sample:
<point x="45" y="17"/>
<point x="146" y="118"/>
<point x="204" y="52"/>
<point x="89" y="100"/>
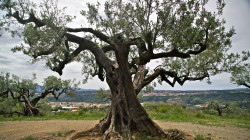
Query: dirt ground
<point x="57" y="129"/>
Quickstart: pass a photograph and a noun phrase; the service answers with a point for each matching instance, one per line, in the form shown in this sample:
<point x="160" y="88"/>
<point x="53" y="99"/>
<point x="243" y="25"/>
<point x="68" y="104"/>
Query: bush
<point x="151" y="106"/>
<point x="199" y="115"/>
<point x="162" y="108"/>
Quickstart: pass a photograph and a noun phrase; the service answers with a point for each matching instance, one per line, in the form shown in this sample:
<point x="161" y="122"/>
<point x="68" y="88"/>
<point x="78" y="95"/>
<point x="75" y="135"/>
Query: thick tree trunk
<point x="219" y="112"/>
<point x="126" y="114"/>
<point x="30" y="110"/>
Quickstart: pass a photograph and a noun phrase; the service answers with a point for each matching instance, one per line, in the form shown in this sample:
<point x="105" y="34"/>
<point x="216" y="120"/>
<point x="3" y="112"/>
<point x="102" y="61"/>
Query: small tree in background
<point x="24" y="91"/>
<point x="216" y="106"/>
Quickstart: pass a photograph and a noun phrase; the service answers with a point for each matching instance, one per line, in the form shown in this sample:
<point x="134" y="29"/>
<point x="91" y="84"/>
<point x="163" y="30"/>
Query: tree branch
<point x="108" y="48"/>
<point x="38" y="98"/>
<point x="98" y="34"/>
<point x="139" y="43"/>
<point x="246" y="85"/>
<point x="31" y="18"/>
<point x="83" y="43"/>
<point x="145" y="55"/>
<point x="163" y="74"/>
<point x="176" y="53"/>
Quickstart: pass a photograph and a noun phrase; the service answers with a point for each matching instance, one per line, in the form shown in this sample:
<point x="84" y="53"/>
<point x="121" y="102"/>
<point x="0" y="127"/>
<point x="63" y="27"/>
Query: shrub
<point x="59" y="134"/>
<point x="28" y="138"/>
<point x="150" y="106"/>
<point x="162" y="108"/>
<point x="199" y="115"/>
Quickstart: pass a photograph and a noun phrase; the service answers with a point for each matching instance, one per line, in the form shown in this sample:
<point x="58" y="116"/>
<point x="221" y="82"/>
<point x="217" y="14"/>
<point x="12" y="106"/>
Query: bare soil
<point x="61" y="129"/>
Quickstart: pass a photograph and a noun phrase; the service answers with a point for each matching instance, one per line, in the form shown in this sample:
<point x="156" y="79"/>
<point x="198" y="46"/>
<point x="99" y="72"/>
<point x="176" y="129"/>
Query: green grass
<point x="85" y="114"/>
<point x="178" y="113"/>
<point x="201" y="137"/>
<point x="157" y="111"/>
<point x="62" y="133"/>
<point x="28" y="138"/>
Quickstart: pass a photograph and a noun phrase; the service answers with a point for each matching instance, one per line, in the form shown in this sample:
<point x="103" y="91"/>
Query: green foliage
<point x="44" y="107"/>
<point x="199" y="115"/>
<point x="50" y="37"/>
<point x="59" y="134"/>
<point x="239" y="68"/>
<point x="8" y="106"/>
<point x="12" y="92"/>
<point x="196" y="100"/>
<point x="182" y="26"/>
<point x="60" y="86"/>
<point x="14" y="86"/>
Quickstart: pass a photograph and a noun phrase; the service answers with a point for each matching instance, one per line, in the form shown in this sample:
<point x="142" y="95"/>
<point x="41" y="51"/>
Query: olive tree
<point x="24" y="91"/>
<point x="216" y="106"/>
<point x="189" y="42"/>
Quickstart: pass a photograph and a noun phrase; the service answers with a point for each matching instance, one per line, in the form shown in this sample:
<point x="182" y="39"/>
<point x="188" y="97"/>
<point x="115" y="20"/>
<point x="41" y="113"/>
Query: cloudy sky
<point x="236" y="13"/>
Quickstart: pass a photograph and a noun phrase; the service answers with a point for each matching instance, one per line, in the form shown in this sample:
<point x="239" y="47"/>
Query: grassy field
<point x="177" y="113"/>
<point x="157" y="111"/>
<point x="84" y="114"/>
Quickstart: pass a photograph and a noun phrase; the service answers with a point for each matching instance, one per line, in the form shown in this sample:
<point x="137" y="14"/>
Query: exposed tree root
<point x="111" y="134"/>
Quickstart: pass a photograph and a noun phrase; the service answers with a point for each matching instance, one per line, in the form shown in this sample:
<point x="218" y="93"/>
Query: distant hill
<point x="240" y="96"/>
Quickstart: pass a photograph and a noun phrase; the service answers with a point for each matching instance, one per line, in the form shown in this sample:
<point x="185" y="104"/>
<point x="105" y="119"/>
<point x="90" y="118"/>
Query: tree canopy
<point x="189" y="40"/>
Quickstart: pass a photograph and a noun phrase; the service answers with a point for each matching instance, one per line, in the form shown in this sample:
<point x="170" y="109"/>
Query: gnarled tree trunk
<point x="126" y="114"/>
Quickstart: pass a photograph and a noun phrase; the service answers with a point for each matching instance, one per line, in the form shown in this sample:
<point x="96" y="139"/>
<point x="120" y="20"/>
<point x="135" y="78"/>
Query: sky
<point x="236" y="14"/>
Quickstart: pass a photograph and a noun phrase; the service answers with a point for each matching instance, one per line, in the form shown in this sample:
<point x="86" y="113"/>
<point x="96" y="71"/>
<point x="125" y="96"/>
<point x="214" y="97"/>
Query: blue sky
<point x="236" y="14"/>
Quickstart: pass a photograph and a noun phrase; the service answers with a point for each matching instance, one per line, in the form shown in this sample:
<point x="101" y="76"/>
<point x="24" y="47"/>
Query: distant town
<point x="75" y="106"/>
<point x="87" y="98"/>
